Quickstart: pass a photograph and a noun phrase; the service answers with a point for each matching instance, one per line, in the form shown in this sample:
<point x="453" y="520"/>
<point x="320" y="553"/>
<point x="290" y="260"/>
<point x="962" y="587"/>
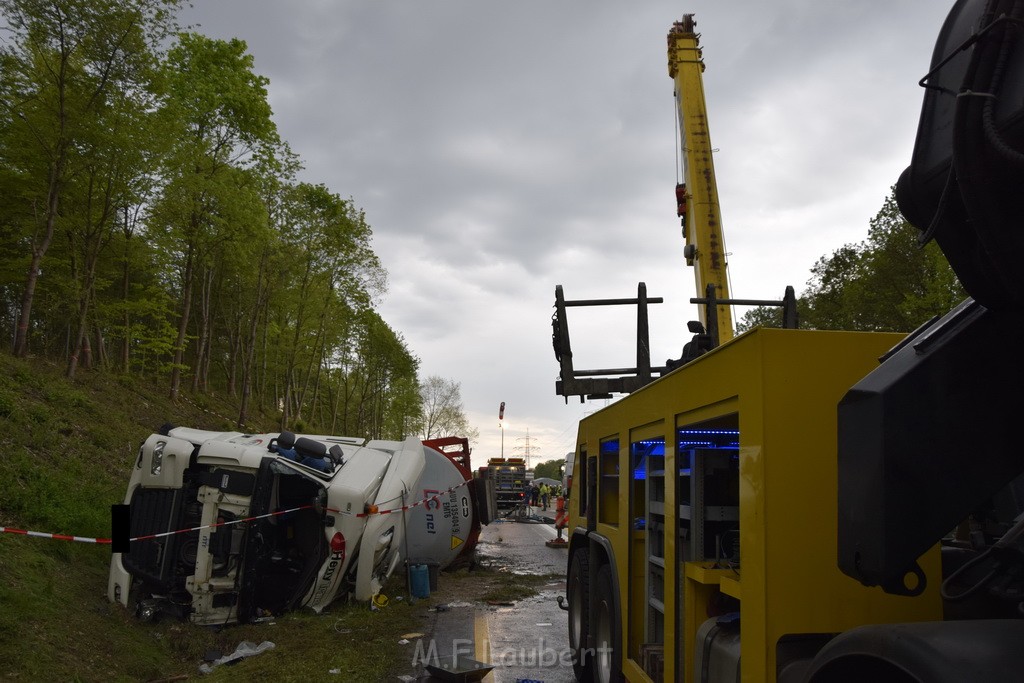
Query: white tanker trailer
<point x="229" y="527"/>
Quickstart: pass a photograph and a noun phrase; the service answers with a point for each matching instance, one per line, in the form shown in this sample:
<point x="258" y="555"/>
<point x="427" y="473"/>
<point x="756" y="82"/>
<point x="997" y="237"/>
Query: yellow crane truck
<point x="834" y="506"/>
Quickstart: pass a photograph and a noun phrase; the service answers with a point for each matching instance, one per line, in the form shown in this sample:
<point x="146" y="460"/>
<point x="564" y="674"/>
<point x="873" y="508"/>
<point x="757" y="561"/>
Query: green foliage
<point x="762" y="316"/>
<point x="218" y="97"/>
<point x="551" y="469"/>
<point x="890" y="282"/>
<point x="887" y="283"/>
<point x="76" y="85"/>
<point x="43" y="475"/>
<point x="74" y="635"/>
<point x="8" y="403"/>
<point x="179" y="242"/>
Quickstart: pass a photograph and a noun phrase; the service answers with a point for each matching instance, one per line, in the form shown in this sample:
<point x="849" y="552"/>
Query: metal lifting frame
<point x="790" y="319"/>
<point x="599" y="383"/>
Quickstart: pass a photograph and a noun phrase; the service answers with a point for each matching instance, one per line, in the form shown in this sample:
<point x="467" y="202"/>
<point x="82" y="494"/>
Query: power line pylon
<point x="528" y="450"/>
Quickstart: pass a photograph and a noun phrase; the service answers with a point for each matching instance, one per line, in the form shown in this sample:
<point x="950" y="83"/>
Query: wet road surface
<point x="527" y="641"/>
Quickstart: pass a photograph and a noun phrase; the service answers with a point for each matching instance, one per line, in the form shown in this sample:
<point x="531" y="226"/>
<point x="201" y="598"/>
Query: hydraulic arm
<point x="697" y="195"/>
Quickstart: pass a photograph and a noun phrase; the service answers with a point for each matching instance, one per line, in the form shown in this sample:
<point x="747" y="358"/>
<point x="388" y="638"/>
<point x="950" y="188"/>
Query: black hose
<point x="944" y="589"/>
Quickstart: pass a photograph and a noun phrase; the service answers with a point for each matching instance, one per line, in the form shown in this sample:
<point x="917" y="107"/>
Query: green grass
<point x="56" y="624"/>
<point x="66" y="450"/>
<point x="507" y="587"/>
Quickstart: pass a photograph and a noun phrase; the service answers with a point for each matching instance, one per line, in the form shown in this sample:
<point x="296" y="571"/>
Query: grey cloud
<point x="501" y="149"/>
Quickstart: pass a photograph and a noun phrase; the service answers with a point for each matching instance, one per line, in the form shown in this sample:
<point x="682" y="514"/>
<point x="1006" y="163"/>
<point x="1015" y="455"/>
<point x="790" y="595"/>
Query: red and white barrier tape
<point x="429" y="499"/>
<point x="213" y="526"/>
<point x="106" y="541"/>
<point x="56" y="537"/>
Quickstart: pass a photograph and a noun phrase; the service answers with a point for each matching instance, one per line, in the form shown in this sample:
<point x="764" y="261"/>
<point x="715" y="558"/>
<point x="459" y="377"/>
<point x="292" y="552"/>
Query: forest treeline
<point x="153" y="223"/>
<point x="890" y="282"/>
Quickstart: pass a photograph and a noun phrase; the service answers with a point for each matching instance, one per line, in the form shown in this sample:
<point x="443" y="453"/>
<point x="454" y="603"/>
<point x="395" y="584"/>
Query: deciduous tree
<point x="552" y="469"/>
<point x="64" y="63"/>
<point x="225" y="120"/>
<point x="443" y="413"/>
<point x="889" y="282"/>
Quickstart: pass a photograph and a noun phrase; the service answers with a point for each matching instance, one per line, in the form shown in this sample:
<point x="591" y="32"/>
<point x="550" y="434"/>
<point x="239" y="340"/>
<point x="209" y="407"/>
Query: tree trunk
<point x="125" y="293"/>
<point x="203" y="342"/>
<point x="100" y="356"/>
<point x="186" y="304"/>
<point x="248" y="353"/>
<point x="81" y="348"/>
<point x="318" y="353"/>
<point x="86" y="349"/>
<point x="300" y="401"/>
<point x="81" y="339"/>
<point x="234" y="350"/>
<point x="32" y="277"/>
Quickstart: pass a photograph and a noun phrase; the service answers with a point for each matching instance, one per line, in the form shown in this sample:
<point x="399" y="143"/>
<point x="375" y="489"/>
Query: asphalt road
<point x="524" y="642"/>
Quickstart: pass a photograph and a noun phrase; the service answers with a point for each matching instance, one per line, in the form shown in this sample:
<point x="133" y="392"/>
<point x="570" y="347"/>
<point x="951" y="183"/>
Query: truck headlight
<point x="158" y="457"/>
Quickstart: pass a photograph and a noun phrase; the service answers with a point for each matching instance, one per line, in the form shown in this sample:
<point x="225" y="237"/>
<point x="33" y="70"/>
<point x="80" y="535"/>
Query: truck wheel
<point x="578" y="589"/>
<point x="606" y="628"/>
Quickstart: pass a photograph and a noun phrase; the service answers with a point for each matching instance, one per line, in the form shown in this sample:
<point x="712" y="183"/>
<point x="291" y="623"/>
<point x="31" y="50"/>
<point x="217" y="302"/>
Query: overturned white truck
<point x="228" y="527"/>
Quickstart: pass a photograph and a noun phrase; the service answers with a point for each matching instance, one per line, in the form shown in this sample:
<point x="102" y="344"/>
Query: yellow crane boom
<point x="697" y="195"/>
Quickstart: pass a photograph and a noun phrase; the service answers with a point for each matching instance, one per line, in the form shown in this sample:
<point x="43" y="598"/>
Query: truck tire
<point x="606" y="638"/>
<point x="578" y="589"/>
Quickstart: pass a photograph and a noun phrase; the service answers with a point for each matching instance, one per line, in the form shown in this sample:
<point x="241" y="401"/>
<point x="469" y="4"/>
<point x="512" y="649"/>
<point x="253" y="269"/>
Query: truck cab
<point x="229" y="527"/>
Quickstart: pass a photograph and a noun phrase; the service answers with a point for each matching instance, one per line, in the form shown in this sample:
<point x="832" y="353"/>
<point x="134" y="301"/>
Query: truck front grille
<point x="153" y="511"/>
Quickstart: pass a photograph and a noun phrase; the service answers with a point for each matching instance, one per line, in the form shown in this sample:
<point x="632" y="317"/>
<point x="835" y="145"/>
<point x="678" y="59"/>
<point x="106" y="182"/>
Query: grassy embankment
<point x="66" y="449"/>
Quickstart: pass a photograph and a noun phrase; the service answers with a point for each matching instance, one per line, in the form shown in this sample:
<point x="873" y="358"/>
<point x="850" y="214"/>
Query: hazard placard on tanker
<point x="440" y="528"/>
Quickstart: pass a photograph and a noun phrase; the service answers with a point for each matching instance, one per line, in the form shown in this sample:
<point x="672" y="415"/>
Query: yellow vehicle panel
<point x="779" y="389"/>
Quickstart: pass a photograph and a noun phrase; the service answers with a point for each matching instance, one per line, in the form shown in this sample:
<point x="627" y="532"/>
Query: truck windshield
<point x="283" y="551"/>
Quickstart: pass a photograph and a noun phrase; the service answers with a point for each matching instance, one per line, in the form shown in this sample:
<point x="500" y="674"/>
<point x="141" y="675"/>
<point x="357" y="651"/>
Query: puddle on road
<point x="517" y="548"/>
<point x="503" y="558"/>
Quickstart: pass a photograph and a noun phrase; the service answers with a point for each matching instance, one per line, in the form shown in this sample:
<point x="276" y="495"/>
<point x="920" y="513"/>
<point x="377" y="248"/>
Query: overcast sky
<point x="500" y="149"/>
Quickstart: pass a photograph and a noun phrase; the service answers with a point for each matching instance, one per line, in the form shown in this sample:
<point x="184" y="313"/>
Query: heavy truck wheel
<point x="578" y="589"/>
<point x="605" y="620"/>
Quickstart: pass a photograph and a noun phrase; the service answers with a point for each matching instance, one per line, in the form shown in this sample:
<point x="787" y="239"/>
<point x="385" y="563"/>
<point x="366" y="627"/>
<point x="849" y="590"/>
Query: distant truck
<point x="229" y="527"/>
<point x="509" y="478"/>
